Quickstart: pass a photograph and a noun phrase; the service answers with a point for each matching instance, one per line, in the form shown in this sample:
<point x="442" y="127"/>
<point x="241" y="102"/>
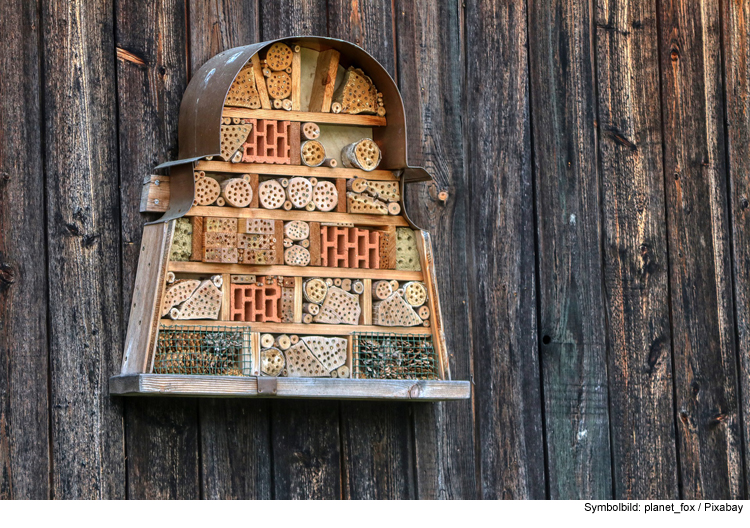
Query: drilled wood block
<point x="256" y="226"/>
<point x="215" y="239"/>
<point x="221" y="225"/>
<point x="221" y="255"/>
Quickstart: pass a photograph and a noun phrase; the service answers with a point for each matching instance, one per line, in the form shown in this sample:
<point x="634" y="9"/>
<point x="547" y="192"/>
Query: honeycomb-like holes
<point x="302" y="363"/>
<point x="272" y="362"/>
<point x="299" y="192"/>
<point x="243" y="92"/>
<point x="415" y="294"/>
<point x="297" y="230"/>
<point x="325" y="196"/>
<point x="368" y="154"/>
<point x="279" y="56"/>
<point x="313" y="153"/>
<point x="279" y="85"/>
<point x="257" y="226"/>
<point x="271" y="194"/>
<point x="383" y="289"/>
<point x="232" y="138"/>
<point x="315" y="290"/>
<point x="207" y="190"/>
<point x="204" y="303"/>
<point x="330" y="351"/>
<point x="238" y="192"/>
<point x="296" y="256"/>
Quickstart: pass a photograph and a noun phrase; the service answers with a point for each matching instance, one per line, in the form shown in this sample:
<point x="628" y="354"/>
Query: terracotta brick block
<point x="349" y="247"/>
<point x="221" y="255"/>
<point x="256" y="303"/>
<point x="269" y="142"/>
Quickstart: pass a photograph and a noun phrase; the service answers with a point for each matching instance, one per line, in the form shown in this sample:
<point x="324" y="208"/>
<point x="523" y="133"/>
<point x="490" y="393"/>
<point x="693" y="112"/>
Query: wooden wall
<point x="593" y="252"/>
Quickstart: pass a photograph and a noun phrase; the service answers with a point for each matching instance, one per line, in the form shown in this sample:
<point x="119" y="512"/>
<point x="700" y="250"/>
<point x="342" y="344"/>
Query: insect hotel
<point x="285" y="264"/>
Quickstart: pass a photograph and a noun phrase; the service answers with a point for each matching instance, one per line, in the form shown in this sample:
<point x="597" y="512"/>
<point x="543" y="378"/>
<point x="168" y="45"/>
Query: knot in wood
<point x="7" y="275"/>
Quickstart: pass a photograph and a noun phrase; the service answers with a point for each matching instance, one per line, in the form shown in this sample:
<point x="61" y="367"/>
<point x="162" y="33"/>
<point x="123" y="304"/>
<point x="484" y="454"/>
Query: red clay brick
<point x="349" y="247"/>
<point x="256" y="303"/>
<point x="268" y="142"/>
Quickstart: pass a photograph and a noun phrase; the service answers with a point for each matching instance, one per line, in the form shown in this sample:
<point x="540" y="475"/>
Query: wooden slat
<point x="24" y="407"/>
<point x="736" y="31"/>
<point x="307" y="329"/>
<point x="155" y="194"/>
<point x="502" y="282"/>
<point x="83" y="247"/>
<point x="705" y="353"/>
<point x="324" y="81"/>
<point x="305" y="436"/>
<point x="236" y="457"/>
<point x="427" y="60"/>
<point x="574" y="366"/>
<point x="280" y="214"/>
<point x="369" y="472"/>
<point x="320" y="388"/>
<point x="293" y="271"/>
<point x="635" y="252"/>
<point x="270" y="169"/>
<point x="322" y="118"/>
<point x="161" y="444"/>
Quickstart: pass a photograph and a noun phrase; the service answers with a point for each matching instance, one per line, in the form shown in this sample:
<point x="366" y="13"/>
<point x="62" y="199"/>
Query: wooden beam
<point x="155" y="194"/>
<point x="303" y="117"/>
<point x="292" y="170"/>
<point x="308" y="329"/>
<point x="260" y="85"/>
<point x="325" y="81"/>
<point x="280" y="214"/>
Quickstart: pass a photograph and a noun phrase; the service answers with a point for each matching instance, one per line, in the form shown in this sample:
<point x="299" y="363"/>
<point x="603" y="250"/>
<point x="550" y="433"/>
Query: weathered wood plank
<point x="305" y="450"/>
<point x="736" y="31"/>
<point x="24" y="411"/>
<point x="571" y="303"/>
<point x="285" y="18"/>
<point x="430" y="65"/>
<point x="235" y="445"/>
<point x="635" y="251"/>
<point x="162" y="449"/>
<point x="83" y="233"/>
<point x="704" y="348"/>
<point x="164" y="462"/>
<point x="235" y="435"/>
<point x="498" y="154"/>
<point x="369" y="472"/>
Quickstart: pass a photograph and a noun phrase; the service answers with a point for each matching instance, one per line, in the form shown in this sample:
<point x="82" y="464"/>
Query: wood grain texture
<point x="164" y="464"/>
<point x="285" y="18"/>
<point x="498" y="158"/>
<point x="704" y="348"/>
<point x="149" y="96"/>
<point x="305" y="449"/>
<point x="83" y="238"/>
<point x="369" y="473"/>
<point x="24" y="410"/>
<point x="220" y="25"/>
<point x="635" y="251"/>
<point x="569" y="257"/>
<point x="430" y="66"/>
<point x="736" y="35"/>
<point x="235" y="447"/>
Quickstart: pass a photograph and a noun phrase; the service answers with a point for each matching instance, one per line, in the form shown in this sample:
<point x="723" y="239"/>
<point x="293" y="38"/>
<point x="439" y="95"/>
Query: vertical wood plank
<point x="372" y="472"/>
<point x="635" y="251"/>
<point x="736" y="31"/>
<point x="431" y="65"/>
<point x="24" y="410"/>
<point x="305" y="435"/>
<point x="498" y="158"/>
<point x="705" y="355"/>
<point x="571" y="318"/>
<point x="235" y="435"/>
<point x="83" y="231"/>
<point x="150" y="87"/>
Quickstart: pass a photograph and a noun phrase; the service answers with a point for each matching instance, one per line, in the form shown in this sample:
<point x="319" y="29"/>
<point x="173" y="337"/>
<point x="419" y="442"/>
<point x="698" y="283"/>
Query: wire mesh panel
<point x="207" y="350"/>
<point x="394" y="356"/>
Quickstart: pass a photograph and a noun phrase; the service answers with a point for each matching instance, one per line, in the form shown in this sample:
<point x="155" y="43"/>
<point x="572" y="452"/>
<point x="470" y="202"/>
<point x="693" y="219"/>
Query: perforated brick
<point x="256" y="303"/>
<point x="268" y="142"/>
<point x="349" y="247"/>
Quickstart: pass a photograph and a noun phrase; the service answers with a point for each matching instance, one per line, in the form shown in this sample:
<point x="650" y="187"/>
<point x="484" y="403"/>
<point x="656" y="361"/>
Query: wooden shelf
<point x="315" y="216"/>
<point x="210" y="268"/>
<point x="306" y="329"/>
<point x="316" y="117"/>
<point x="323" y="388"/>
<point x="270" y="169"/>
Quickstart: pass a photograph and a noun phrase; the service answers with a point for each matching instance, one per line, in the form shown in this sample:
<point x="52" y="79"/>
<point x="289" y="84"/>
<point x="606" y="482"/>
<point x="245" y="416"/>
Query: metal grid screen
<point x="394" y="356"/>
<point x="207" y="350"/>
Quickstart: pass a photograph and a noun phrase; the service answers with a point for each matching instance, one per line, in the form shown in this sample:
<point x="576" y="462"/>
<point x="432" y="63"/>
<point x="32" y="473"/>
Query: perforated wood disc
<point x="207" y="190"/>
<point x="313" y="153"/>
<point x="330" y="351"/>
<point x="243" y="92"/>
<point x="297" y="230"/>
<point x="310" y="130"/>
<point x="272" y="362"/>
<point x="325" y="196"/>
<point x="237" y="192"/>
<point x="415" y="294"/>
<point x="279" y="56"/>
<point x="299" y="191"/>
<point x="232" y="138"/>
<point x="271" y="194"/>
<point x="296" y="256"/>
<point x="279" y="85"/>
<point x="368" y="154"/>
<point x="315" y="290"/>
